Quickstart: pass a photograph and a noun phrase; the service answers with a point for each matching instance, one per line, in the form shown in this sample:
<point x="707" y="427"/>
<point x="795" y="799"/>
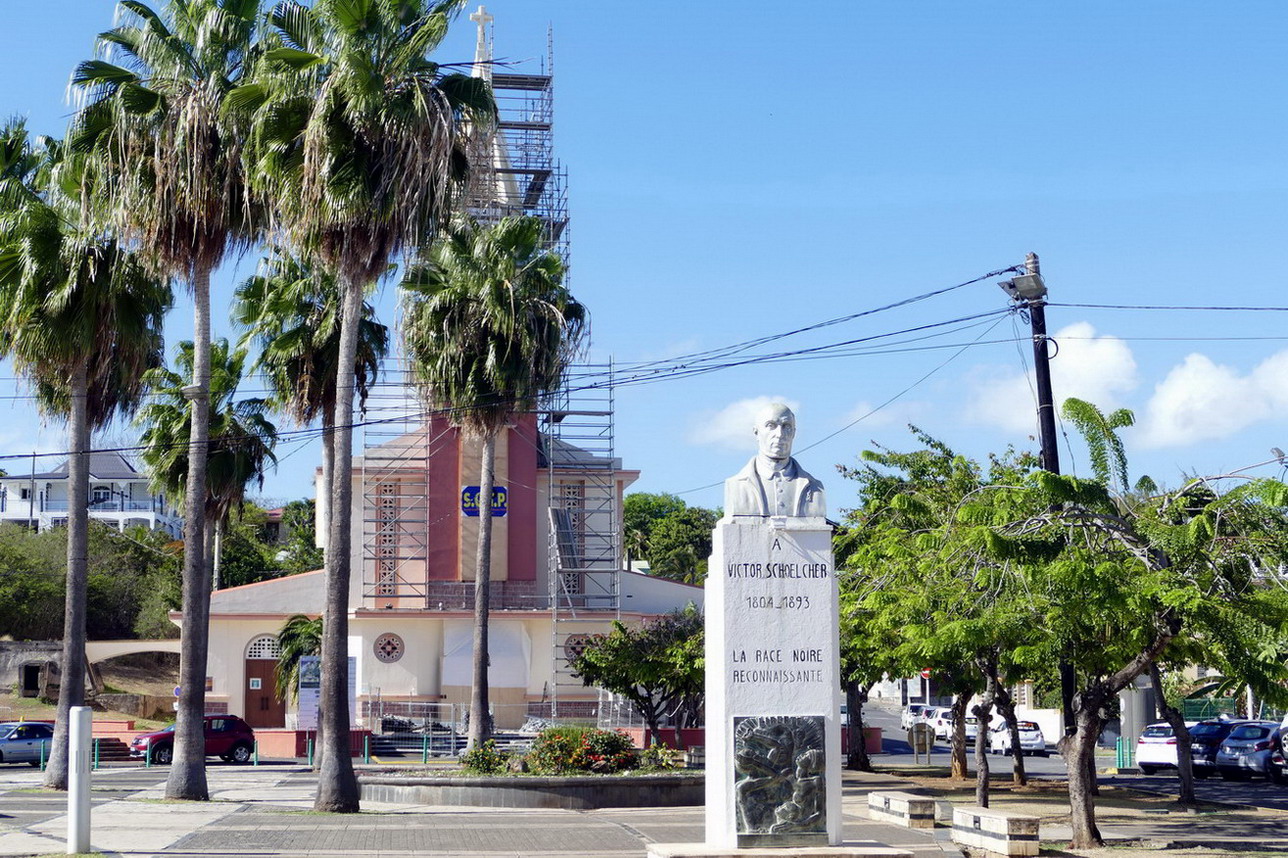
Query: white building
<point x="118" y="497"/>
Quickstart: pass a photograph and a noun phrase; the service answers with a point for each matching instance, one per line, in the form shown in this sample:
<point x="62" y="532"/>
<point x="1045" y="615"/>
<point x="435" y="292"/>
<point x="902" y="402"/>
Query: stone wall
<point x="15" y="654"/>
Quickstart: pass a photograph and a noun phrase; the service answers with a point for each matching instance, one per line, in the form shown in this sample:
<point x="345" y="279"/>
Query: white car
<point x="940" y="719"/>
<point x="1031" y="739"/>
<point x="1156" y="748"/>
<point x="972" y="728"/>
<point x="911" y="715"/>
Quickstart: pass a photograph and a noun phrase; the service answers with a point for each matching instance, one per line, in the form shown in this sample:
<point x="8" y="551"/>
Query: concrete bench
<point x="1001" y="831"/>
<point x="902" y="808"/>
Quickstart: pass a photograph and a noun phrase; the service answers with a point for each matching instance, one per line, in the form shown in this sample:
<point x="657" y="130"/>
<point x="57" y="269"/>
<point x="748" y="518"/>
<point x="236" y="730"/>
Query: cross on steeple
<point x="482" y="56"/>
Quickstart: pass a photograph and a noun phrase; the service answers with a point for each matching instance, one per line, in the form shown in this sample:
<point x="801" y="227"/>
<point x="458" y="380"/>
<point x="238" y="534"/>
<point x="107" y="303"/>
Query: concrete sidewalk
<point x="266" y="811"/>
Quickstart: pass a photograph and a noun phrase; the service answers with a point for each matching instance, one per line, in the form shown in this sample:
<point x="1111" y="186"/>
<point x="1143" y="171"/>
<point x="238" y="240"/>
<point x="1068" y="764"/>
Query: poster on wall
<point x="310" y="692"/>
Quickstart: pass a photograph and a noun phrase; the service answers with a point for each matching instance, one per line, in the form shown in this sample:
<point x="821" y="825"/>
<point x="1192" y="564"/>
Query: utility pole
<point x="1030" y="292"/>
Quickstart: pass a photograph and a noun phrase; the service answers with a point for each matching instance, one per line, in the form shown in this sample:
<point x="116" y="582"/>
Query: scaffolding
<point x="395" y="493"/>
<point x="523" y="177"/>
<point x="584" y="568"/>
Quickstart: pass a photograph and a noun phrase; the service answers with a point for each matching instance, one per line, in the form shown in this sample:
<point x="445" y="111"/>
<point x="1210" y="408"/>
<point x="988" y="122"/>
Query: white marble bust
<point x="772" y="483"/>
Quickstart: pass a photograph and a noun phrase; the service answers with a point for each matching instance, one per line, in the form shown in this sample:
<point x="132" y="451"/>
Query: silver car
<point x="1246" y="751"/>
<point x="25" y="742"/>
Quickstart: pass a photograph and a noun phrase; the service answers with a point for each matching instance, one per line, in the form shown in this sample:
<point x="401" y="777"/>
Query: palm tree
<point x="169" y="153"/>
<point x="290" y="310"/>
<point x="241" y="436"/>
<point x="489" y="327"/>
<point x="81" y="318"/>
<point x="298" y="637"/>
<point x="359" y="142"/>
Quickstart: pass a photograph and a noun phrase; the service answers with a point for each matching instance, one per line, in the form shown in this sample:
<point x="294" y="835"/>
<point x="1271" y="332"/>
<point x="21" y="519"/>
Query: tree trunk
<point x="337" y="783"/>
<point x="957" y="767"/>
<point x="326" y="490"/>
<point x="1080" y="759"/>
<point x="187" y="779"/>
<point x="983" y="715"/>
<point x="1184" y="744"/>
<point x="856" y="695"/>
<point x="216" y="552"/>
<point x="1006" y="706"/>
<point x="71" y="685"/>
<point x="480" y="717"/>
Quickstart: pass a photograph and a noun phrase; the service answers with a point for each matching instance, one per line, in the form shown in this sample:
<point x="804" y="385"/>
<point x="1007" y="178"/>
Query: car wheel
<point x="162" y="755"/>
<point x="240" y="754"/>
<point x="1148" y="770"/>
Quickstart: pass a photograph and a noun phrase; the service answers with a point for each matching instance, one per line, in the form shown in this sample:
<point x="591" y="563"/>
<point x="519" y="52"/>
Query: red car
<point x="227" y="736"/>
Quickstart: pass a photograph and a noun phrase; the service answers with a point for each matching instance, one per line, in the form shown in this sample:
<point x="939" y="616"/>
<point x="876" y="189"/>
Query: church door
<point x="263" y="709"/>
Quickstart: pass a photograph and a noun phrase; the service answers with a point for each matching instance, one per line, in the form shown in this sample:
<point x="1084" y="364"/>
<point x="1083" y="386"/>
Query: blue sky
<point x="742" y="169"/>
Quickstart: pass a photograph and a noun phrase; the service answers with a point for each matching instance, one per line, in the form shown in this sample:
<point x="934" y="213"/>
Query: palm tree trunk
<point x="71" y="683"/>
<point x="480" y="717"/>
<point x="337" y="783"/>
<point x="187" y="778"/>
<point x="216" y="552"/>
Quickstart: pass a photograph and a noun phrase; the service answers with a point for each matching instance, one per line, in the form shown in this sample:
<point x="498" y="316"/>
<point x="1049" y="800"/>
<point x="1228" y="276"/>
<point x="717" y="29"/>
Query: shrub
<point x="485" y="759"/>
<point x="560" y="750"/>
<point x="660" y="758"/>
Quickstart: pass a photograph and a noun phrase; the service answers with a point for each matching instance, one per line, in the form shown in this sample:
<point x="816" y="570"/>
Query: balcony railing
<point x="105" y="506"/>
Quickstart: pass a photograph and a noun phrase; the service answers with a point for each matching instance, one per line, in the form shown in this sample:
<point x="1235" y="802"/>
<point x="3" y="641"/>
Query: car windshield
<point x="1206" y="729"/>
<point x="1250" y="731"/>
<point x="6" y="730"/>
<point x="1157" y="731"/>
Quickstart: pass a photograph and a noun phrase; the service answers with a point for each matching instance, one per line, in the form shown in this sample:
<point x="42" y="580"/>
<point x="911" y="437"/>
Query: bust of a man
<point x="772" y="483"/>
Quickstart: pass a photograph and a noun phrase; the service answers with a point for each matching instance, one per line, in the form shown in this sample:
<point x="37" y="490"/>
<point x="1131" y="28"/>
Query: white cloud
<point x="730" y="427"/>
<point x="1200" y="400"/>
<point x="1099" y="369"/>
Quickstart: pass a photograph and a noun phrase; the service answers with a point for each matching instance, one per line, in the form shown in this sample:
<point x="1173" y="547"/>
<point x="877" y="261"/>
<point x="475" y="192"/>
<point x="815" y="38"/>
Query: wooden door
<point x="263" y="709"/>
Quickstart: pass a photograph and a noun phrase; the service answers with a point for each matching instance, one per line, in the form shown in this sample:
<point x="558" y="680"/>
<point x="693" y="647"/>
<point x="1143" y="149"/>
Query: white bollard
<point x="80" y="731"/>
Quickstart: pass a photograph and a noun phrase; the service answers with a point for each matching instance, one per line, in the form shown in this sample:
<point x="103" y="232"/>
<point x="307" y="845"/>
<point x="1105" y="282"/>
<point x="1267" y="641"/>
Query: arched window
<point x="264" y="646"/>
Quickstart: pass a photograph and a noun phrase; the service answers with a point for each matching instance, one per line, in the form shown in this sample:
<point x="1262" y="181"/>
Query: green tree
<point x="640" y="512"/>
<point x="659" y="666"/>
<point x="489" y="328"/>
<point x="359" y="143"/>
<point x="299" y="520"/>
<point x="168" y="149"/>
<point x="291" y="311"/>
<point x="680" y="544"/>
<point x="241" y="438"/>
<point x="80" y="318"/>
<point x="299" y="636"/>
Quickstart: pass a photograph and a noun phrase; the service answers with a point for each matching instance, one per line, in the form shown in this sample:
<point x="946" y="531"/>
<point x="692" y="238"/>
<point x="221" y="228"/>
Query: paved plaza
<point x="265" y="811"/>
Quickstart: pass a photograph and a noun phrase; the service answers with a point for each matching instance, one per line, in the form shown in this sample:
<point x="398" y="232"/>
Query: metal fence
<point x="406" y="730"/>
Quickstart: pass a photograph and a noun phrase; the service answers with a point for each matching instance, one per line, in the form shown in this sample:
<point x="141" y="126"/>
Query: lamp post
<point x="1029" y="291"/>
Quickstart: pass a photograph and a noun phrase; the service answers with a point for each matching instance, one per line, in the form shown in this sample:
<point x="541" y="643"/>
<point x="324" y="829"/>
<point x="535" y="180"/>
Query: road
<point x="1254" y="793"/>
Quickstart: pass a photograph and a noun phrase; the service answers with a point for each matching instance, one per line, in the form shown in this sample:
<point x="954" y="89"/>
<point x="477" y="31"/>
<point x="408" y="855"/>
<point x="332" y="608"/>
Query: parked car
<point x="227" y="737"/>
<point x="912" y="715"/>
<point x="1206" y="738"/>
<point x="1031" y="739"/>
<point x="22" y="741"/>
<point x="972" y="728"/>
<point x="1156" y="748"/>
<point x="1246" y="751"/>
<point x="940" y="719"/>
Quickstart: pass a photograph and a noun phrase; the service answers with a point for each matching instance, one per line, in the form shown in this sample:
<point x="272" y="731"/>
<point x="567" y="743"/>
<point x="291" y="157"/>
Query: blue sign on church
<point x="470" y="501"/>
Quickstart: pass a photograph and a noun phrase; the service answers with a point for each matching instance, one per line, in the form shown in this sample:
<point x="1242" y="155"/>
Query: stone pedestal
<point x="773" y="776"/>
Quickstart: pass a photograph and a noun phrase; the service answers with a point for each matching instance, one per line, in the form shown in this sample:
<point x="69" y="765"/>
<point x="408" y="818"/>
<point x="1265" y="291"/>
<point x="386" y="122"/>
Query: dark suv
<point x="1206" y="737"/>
<point x="227" y="736"/>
